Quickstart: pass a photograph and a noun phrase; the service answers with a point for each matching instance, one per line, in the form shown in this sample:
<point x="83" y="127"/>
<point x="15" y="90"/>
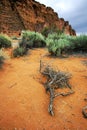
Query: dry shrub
<point x="55" y="79"/>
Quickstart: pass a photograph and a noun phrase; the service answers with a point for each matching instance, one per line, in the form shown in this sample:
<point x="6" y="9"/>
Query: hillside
<point x="18" y="15"/>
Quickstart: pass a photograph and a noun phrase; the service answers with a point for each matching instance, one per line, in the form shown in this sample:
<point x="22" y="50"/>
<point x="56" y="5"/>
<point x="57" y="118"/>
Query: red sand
<point x="24" y="102"/>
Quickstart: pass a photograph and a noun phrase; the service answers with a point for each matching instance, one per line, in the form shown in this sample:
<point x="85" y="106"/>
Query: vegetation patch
<point x="1" y="60"/>
<point x="3" y="56"/>
<point x="19" y="51"/>
<point x="59" y="44"/>
<point x="49" y="30"/>
<point x="79" y="43"/>
<point x="5" y="41"/>
<point x="32" y="40"/>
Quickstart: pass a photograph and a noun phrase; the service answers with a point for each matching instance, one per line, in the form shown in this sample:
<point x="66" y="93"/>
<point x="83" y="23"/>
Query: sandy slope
<point x="24" y="102"/>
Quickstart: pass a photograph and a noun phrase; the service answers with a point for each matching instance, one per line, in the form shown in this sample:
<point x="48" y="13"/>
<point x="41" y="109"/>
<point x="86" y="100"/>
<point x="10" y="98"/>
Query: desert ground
<point x="24" y="101"/>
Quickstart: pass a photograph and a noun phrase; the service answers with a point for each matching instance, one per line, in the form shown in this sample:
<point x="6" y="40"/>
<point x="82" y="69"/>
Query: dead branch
<point x="50" y="108"/>
<point x="55" y="80"/>
<point x="64" y="94"/>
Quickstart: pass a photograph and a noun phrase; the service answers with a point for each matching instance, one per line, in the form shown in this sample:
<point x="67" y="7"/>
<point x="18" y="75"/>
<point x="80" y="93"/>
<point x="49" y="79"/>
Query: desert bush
<point x="80" y="43"/>
<point x="19" y="51"/>
<point x="3" y="56"/>
<point x="32" y="39"/>
<point x="1" y="60"/>
<point x="57" y="44"/>
<point x="5" y="41"/>
<point x="45" y="31"/>
<point x="49" y="30"/>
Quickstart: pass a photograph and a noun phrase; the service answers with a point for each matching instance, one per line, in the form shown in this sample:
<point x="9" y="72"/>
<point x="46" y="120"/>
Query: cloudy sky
<point x="74" y="11"/>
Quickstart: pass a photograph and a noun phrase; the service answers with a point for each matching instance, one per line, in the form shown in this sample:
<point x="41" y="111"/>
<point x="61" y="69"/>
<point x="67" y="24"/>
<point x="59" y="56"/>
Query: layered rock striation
<point x="18" y="15"/>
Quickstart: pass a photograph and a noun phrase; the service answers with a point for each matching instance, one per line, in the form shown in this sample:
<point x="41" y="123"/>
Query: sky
<point x="74" y="11"/>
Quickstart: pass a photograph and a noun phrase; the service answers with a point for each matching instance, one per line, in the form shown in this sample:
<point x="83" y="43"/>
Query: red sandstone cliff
<point x="17" y="15"/>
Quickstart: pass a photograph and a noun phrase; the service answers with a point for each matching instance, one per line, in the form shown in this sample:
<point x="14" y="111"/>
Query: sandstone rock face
<point x="18" y="15"/>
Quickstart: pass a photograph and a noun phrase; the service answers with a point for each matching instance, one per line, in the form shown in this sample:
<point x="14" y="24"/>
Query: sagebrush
<point x="5" y="41"/>
<point x="32" y="40"/>
<point x="49" y="30"/>
<point x="59" y="44"/>
<point x="19" y="51"/>
<point x="3" y="56"/>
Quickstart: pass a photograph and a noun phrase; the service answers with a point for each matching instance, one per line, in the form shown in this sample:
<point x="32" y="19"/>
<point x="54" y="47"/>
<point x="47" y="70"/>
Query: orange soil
<point x="24" y="102"/>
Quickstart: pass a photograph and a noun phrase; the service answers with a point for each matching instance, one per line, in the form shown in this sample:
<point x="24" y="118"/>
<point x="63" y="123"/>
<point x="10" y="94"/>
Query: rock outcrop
<point x="18" y="15"/>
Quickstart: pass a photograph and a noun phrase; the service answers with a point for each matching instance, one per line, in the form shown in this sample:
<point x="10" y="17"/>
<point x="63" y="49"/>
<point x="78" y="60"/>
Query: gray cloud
<point x="72" y="11"/>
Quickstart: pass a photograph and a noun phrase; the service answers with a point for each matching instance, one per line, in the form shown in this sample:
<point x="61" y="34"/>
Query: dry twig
<point x="55" y="80"/>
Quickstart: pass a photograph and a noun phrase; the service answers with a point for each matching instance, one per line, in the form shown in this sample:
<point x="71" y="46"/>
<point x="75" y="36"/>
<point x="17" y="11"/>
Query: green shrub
<point x="1" y="61"/>
<point x="80" y="43"/>
<point x="3" y="56"/>
<point x="5" y="41"/>
<point x="49" y="30"/>
<point x="32" y="39"/>
<point x="57" y="44"/>
<point x="45" y="31"/>
<point x="19" y="51"/>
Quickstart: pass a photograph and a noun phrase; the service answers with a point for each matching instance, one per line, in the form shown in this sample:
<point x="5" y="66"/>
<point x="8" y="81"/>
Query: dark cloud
<point x="78" y="18"/>
<point x="72" y="11"/>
